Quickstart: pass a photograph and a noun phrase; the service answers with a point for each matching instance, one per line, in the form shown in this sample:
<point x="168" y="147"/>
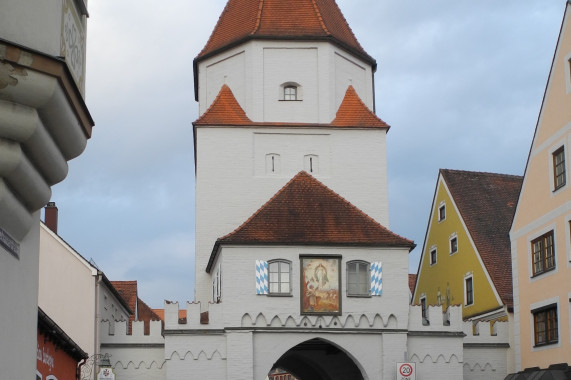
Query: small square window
<point x="543" y="253"/>
<point x="454" y="245"/>
<point x="290" y="93"/>
<point x="545" y="326"/>
<point x="441" y="213"/>
<point x="433" y="256"/>
<point x="559" y="179"/>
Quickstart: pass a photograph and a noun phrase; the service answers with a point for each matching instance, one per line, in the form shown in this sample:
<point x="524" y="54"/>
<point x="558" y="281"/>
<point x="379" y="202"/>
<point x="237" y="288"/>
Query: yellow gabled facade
<point x="442" y="278"/>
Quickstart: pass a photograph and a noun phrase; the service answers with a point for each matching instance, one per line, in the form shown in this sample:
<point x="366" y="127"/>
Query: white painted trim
<point x="530" y="238"/>
<point x="482" y="265"/>
<point x="537" y="305"/>
<point x="559" y="135"/>
<point x="542" y="220"/>
<point x="516" y="305"/>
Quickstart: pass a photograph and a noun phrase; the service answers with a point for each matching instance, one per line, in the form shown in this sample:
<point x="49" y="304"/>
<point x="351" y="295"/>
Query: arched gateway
<point x="317" y="359"/>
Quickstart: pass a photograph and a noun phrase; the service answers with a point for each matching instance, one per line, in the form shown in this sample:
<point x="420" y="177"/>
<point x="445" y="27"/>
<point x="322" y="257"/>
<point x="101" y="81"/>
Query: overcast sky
<point x="460" y="82"/>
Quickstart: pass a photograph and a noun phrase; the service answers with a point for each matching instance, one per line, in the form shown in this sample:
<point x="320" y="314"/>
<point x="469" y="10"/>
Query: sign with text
<point x="406" y="371"/>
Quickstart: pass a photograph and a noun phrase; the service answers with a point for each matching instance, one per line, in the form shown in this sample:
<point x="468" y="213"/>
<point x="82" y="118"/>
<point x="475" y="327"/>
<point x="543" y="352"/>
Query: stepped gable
<point x="224" y="110"/>
<point x="354" y="113"/>
<point x="487" y="203"/>
<point x="242" y="20"/>
<point x="306" y="212"/>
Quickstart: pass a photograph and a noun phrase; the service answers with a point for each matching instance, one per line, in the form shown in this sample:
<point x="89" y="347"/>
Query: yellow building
<point x="465" y="259"/>
<point x="540" y="234"/>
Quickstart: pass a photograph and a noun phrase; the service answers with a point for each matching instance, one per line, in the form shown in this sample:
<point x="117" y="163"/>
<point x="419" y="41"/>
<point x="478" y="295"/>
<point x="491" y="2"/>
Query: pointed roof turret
<point x="224" y="110"/>
<point x="354" y="113"/>
<point x="243" y="20"/>
<point x="306" y="212"/>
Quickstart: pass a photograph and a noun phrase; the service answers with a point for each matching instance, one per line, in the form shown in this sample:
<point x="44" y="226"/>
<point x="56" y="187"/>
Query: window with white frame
<point x="358" y="278"/>
<point x="279" y="277"/>
<point x="469" y="290"/>
<point x="441" y="212"/>
<point x="453" y="244"/>
<point x="433" y="256"/>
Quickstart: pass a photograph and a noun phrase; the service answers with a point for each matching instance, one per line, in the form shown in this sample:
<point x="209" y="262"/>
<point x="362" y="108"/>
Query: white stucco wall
<point x="231" y="181"/>
<point x="18" y="297"/>
<point x="255" y="70"/>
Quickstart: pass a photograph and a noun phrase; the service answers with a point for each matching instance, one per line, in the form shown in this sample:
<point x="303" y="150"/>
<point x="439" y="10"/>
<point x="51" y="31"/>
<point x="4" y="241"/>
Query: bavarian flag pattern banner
<point x="376" y="279"/>
<point x="261" y="277"/>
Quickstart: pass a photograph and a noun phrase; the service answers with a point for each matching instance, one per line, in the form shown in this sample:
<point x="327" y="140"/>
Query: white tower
<point x="270" y="83"/>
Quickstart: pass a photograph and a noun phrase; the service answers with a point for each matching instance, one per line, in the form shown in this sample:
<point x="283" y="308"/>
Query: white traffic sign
<point x="406" y="371"/>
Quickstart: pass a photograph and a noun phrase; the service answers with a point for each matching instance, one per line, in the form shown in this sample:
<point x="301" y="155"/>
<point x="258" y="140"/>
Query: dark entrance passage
<point x="317" y="359"/>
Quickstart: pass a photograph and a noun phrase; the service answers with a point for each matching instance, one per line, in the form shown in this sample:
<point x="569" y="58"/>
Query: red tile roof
<point x="128" y="290"/>
<point x="242" y="20"/>
<point x="487" y="202"/>
<point x="411" y="282"/>
<point x="354" y="113"/>
<point x="306" y="212"/>
<point x="226" y="111"/>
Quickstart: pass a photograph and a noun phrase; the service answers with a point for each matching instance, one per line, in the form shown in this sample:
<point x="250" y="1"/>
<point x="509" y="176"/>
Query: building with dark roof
<point x="466" y="257"/>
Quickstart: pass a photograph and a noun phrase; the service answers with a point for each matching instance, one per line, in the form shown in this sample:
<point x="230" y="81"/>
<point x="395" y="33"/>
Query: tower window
<point x="290" y="93"/>
<point x="311" y="163"/>
<point x="273" y="164"/>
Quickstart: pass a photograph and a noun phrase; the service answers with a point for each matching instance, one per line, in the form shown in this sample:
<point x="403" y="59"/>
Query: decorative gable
<point x="224" y="110"/>
<point x="354" y="113"/>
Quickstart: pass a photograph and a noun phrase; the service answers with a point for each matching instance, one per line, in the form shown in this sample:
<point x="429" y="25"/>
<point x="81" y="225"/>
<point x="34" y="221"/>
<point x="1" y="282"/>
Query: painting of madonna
<point x="320" y="280"/>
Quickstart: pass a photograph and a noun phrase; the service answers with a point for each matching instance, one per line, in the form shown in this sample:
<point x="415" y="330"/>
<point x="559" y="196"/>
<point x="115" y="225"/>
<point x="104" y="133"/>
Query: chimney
<point x="51" y="216"/>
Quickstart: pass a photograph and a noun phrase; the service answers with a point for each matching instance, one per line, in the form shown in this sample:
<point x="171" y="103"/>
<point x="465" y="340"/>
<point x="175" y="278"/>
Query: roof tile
<point x="487" y="203"/>
<point x="354" y="113"/>
<point x="316" y="19"/>
<point x="306" y="212"/>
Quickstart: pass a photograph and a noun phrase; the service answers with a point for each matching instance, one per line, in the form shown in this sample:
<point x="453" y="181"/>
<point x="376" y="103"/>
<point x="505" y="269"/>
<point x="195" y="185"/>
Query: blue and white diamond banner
<point x="261" y="277"/>
<point x="377" y="279"/>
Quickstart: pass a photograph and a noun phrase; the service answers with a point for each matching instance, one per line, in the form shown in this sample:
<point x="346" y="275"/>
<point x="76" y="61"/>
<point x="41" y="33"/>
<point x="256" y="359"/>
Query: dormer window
<point x="290" y="91"/>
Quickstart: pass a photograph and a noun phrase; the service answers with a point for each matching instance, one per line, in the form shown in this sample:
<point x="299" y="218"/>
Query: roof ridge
<point x="320" y="18"/>
<point x="258" y="18"/>
<point x="515" y="176"/>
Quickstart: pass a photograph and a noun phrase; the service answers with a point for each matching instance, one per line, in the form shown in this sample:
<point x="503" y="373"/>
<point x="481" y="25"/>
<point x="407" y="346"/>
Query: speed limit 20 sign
<point x="406" y="371"/>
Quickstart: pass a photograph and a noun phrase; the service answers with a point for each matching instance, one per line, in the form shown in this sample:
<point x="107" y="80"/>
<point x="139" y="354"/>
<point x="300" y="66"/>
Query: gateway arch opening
<point x="316" y="359"/>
